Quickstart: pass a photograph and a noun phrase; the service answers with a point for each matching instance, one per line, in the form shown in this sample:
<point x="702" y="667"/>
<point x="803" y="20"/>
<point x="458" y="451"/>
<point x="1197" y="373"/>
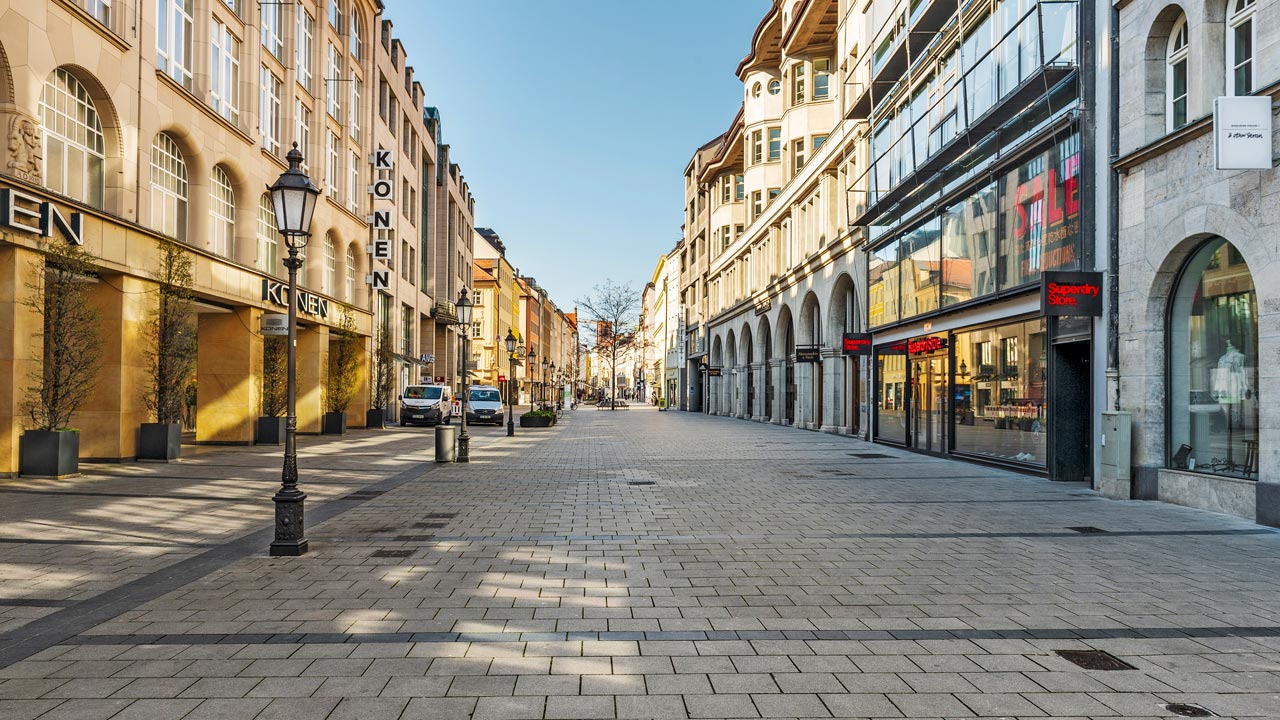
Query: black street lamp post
<point x="553" y="393"/>
<point x="542" y="388"/>
<point x="293" y="196"/>
<point x="533" y="354"/>
<point x="511" y="383"/>
<point x="464" y="320"/>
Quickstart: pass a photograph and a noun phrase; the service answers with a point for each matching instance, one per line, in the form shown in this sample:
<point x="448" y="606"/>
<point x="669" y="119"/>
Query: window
<point x="1241" y="38"/>
<point x="725" y="238"/>
<point x="773" y="193"/>
<point x="1000" y="399"/>
<point x="302" y="269"/>
<point x="757" y="147"/>
<point x="755" y="90"/>
<point x="222" y="214"/>
<point x="233" y="4"/>
<point x="269" y="110"/>
<point x="224" y="71"/>
<point x="775" y="144"/>
<point x="99" y="9"/>
<point x="351" y="275"/>
<point x="797" y="156"/>
<point x="74" y="151"/>
<point x="476" y="332"/>
<point x="797" y="83"/>
<point x="757" y="204"/>
<point x="268" y="237"/>
<point x="168" y="188"/>
<point x="304" y="47"/>
<point x="356" y="89"/>
<point x="329" y="280"/>
<point x="775" y="87"/>
<point x="726" y="189"/>
<point x="335" y="15"/>
<point x="272" y="33"/>
<point x="817" y="141"/>
<point x="739" y="188"/>
<point x="333" y="84"/>
<point x="406" y="329"/>
<point x="1176" y="82"/>
<point x="357" y="39"/>
<point x="353" y="182"/>
<point x="302" y="119"/>
<point x="173" y="39"/>
<point x="476" y="298"/>
<point x="737" y="232"/>
<point x="331" y="163"/>
<point x="821" y="79"/>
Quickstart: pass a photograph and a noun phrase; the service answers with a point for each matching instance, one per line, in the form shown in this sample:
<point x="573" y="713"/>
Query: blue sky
<point x="573" y="120"/>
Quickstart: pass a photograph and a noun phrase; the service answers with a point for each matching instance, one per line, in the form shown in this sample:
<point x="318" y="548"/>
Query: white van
<point x="484" y="405"/>
<point x="426" y="404"/>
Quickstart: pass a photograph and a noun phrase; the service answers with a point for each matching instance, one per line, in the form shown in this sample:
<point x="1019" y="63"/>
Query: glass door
<point x="928" y="427"/>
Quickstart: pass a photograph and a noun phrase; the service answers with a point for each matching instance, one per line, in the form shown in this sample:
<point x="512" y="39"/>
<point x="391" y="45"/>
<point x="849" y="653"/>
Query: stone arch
<point x="746" y="350"/>
<point x="784" y="339"/>
<point x="730" y="350"/>
<point x="717" y="352"/>
<point x="1154" y="75"/>
<point x="764" y="341"/>
<point x="112" y="132"/>
<point x="361" y="268"/>
<point x="842" y="308"/>
<point x="810" y="320"/>
<point x="6" y="78"/>
<point x="246" y="205"/>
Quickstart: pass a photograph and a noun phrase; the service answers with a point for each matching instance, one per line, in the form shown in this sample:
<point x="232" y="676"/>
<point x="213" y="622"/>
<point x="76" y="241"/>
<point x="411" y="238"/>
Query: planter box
<point x="50" y="453"/>
<point x="375" y="418"/>
<point x="335" y="423"/>
<point x="271" y="431"/>
<point x="526" y="422"/>
<point x="159" y="441"/>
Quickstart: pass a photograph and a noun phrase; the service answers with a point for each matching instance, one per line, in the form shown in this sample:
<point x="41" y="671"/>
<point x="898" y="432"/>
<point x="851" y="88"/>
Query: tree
<point x="613" y="309"/>
<point x="69" y="341"/>
<point x="383" y="369"/>
<point x="275" y="375"/>
<point x="172" y="330"/>
<point x="344" y="365"/>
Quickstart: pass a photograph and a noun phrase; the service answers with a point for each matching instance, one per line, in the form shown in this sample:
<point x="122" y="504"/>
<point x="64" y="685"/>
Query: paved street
<point x="629" y="564"/>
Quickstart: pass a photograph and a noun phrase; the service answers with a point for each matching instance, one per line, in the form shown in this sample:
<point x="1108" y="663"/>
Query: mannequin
<point x="1231" y="389"/>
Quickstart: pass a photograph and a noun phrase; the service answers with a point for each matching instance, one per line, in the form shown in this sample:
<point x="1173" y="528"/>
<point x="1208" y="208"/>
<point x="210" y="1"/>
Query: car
<point x="484" y="405"/>
<point x="425" y="404"/>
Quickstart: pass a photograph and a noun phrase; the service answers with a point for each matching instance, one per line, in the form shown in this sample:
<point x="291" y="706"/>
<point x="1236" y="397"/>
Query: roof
<point x="480" y="274"/>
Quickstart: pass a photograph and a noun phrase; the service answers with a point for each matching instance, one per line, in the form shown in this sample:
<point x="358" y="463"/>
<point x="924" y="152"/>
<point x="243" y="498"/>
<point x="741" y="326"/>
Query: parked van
<point x="484" y="405"/>
<point x="426" y="404"/>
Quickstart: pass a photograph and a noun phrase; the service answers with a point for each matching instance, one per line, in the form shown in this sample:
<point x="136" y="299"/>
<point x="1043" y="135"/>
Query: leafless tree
<point x="172" y="330"/>
<point x="612" y="309"/>
<point x="344" y="364"/>
<point x="275" y="375"/>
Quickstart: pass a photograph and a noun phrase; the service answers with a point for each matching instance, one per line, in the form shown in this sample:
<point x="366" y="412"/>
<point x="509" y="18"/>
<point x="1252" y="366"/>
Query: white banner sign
<point x="273" y="324"/>
<point x="1242" y="133"/>
<point x="379" y="279"/>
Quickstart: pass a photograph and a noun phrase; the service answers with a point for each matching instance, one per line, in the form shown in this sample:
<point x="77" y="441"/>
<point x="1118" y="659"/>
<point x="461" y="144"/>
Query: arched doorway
<point x="1213" y="364"/>
<point x="766" y="349"/>
<point x="787" y="349"/>
<point x="811" y="337"/>
<point x="843" y="318"/>
<point x="730" y="381"/>
<point x="748" y="360"/>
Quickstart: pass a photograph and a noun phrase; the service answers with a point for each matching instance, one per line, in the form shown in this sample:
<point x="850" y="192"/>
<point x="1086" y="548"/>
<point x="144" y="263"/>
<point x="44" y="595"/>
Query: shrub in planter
<point x="344" y="375"/>
<point x="275" y="389"/>
<point x="383" y="380"/>
<point x="171" y="358"/>
<point x="538" y="418"/>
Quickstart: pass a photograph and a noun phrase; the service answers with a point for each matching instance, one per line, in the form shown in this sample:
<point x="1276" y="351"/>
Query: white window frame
<point x="797" y="155"/>
<point x="353" y="181"/>
<point x="332" y="162"/>
<point x="1243" y="12"/>
<point x="329" y="280"/>
<point x="798" y="77"/>
<point x="1179" y="54"/>
<point x="169" y="187"/>
<point x="100" y="10"/>
<point x="268" y="259"/>
<point x="821" y="69"/>
<point x="304" y="49"/>
<point x="333" y="84"/>
<point x="222" y="213"/>
<point x="174" y="30"/>
<point x="272" y="26"/>
<point x="302" y="129"/>
<point x="335" y="15"/>
<point x="770" y="155"/>
<point x="357" y="36"/>
<point x="351" y="275"/>
<point x="224" y="71"/>
<point x="73" y="127"/>
<point x="356" y="91"/>
<point x="269" y="90"/>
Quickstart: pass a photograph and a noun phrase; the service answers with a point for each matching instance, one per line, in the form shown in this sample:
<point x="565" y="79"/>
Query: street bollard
<point x="446" y="443"/>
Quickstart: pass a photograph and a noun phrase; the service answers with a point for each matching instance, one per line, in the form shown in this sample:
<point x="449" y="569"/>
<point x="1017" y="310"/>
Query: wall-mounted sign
<point x="275" y="324"/>
<point x="808" y="354"/>
<point x="20" y="211"/>
<point x="380" y="248"/>
<point x="714" y="372"/>
<point x="379" y="279"/>
<point x="856" y="344"/>
<point x="763" y="306"/>
<point x="932" y="343"/>
<point x="381" y="220"/>
<point x="1242" y="132"/>
<point x="277" y="293"/>
<point x="427" y="359"/>
<point x="1071" y="293"/>
<point x="383" y="159"/>
<point x="382" y="190"/>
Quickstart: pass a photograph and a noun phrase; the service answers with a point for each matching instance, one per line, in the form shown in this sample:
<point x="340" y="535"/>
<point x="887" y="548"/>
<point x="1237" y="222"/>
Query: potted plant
<point x="70" y="347"/>
<point x="538" y="418"/>
<point x="171" y="358"/>
<point x="344" y="375"/>
<point x="275" y="388"/>
<point x="383" y="377"/>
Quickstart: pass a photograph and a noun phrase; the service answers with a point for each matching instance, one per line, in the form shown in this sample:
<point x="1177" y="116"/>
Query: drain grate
<point x="1087" y="529"/>
<point x="442" y="515"/>
<point x="872" y="456"/>
<point x="392" y="553"/>
<point x="641" y="482"/>
<point x="1188" y="710"/>
<point x="414" y="538"/>
<point x="1095" y="660"/>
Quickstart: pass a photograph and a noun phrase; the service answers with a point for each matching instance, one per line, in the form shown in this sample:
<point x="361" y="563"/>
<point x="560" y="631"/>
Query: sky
<point x="573" y="120"/>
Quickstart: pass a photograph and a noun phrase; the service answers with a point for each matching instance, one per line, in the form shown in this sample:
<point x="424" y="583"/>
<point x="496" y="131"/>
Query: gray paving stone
<point x="580" y="707"/>
<point x="720" y="706"/>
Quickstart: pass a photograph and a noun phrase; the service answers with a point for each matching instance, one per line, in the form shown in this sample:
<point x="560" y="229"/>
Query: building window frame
<point x="222" y="213"/>
<point x="72" y="129"/>
<point x="174" y="30"/>
<point x="268" y="256"/>
<point x="169" y="187"/>
<point x="270" y="88"/>
<point x="224" y="71"/>
<point x="272" y="28"/>
<point x="775" y="144"/>
<point x="1177" y="75"/>
<point x="1242" y="43"/>
<point x="303" y="49"/>
<point x="333" y="162"/>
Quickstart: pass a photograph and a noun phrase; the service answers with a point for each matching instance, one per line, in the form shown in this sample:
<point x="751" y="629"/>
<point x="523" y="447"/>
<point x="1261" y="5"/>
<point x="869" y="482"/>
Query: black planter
<point x="536" y="421"/>
<point x="375" y="418"/>
<point x="271" y="430"/>
<point x="335" y="423"/>
<point x="159" y="441"/>
<point x="51" y="453"/>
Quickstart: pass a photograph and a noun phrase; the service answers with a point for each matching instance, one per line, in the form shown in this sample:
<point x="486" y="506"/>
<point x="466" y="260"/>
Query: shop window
<point x="1000" y="392"/>
<point x="891" y="396"/>
<point x="168" y="188"/>
<point x="1213" y="365"/>
<point x="74" y="150"/>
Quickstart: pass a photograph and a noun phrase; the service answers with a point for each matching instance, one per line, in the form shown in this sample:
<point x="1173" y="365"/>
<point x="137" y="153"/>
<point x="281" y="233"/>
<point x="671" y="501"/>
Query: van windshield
<point x="418" y="392"/>
<point x="485" y="396"/>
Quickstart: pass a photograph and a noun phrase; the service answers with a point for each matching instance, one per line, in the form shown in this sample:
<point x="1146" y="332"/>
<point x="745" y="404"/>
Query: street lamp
<point x="511" y="357"/>
<point x="553" y="390"/>
<point x="542" y="386"/>
<point x="464" y="319"/>
<point x="293" y="196"/>
<point x="533" y="354"/>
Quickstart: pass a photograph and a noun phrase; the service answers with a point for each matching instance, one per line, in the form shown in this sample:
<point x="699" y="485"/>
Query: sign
<point x="381" y="220"/>
<point x="713" y="372"/>
<point x="277" y="293"/>
<point x="1071" y="293"/>
<point x="380" y="248"/>
<point x="20" y="211"/>
<point x="382" y="190"/>
<point x="275" y="324"/>
<point x="427" y="359"/>
<point x="856" y="344"/>
<point x="383" y="159"/>
<point x="379" y="279"/>
<point x="502" y="378"/>
<point x="809" y="354"/>
<point x="1242" y="133"/>
<point x="933" y="343"/>
<point x="763" y="306"/>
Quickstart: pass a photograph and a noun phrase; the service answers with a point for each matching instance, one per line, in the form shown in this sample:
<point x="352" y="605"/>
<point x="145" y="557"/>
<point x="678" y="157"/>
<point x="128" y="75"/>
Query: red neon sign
<point x="925" y="345"/>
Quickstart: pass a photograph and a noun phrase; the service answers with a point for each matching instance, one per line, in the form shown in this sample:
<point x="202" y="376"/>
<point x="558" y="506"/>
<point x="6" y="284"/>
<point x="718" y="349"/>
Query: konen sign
<point x="277" y="293"/>
<point x="20" y="211"/>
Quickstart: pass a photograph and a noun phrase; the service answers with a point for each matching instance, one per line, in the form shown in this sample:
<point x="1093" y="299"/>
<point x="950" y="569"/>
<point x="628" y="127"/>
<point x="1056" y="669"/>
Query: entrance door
<point x="791" y="392"/>
<point x="768" y="390"/>
<point x="929" y="404"/>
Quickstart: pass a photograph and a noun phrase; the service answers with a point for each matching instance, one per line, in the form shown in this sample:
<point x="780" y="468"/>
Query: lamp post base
<point x="511" y="428"/>
<point x="290" y="540"/>
<point x="464" y="449"/>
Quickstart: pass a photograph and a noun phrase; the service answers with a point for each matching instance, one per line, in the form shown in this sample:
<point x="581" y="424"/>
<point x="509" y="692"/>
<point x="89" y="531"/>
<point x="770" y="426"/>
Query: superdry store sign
<point x="855" y="344"/>
<point x="1071" y="293"/>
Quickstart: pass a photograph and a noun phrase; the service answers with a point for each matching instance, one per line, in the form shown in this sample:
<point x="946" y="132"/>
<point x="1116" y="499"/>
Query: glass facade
<point x="1213" y="365"/>
<point x="1000" y="400"/>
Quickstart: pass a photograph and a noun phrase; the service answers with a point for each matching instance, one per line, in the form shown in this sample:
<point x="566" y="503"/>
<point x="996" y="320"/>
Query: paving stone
<point x="720" y="706"/>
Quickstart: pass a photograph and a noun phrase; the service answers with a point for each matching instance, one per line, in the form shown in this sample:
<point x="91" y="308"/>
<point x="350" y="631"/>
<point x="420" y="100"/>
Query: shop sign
<point x="427" y="359"/>
<point x="502" y="378"/>
<point x="379" y="279"/>
<point x="1242" y="132"/>
<point x="713" y="372"/>
<point x="856" y="344"/>
<point x="1071" y="293"/>
<point x="277" y="293"/>
<point x="809" y="354"/>
<point x="763" y="306"/>
<point x="275" y="324"/>
<point x="20" y="211"/>
<point x="932" y="343"/>
<point x="439" y="380"/>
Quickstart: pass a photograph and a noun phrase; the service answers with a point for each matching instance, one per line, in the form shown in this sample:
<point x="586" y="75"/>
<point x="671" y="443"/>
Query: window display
<point x="1000" y="392"/>
<point x="891" y="374"/>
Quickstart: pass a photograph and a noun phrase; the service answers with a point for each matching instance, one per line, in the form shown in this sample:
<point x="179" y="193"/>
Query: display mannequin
<point x="1230" y="390"/>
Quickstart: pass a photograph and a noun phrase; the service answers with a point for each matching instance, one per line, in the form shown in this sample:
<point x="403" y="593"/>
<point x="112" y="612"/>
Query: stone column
<point x="360" y="401"/>
<point x="313" y="370"/>
<point x="833" y="391"/>
<point x="804" y="395"/>
<point x="779" y="391"/>
<point x="110" y="418"/>
<point x="228" y="377"/>
<point x="740" y="408"/>
<point x="19" y="347"/>
<point x="713" y="395"/>
<point x="757" y="410"/>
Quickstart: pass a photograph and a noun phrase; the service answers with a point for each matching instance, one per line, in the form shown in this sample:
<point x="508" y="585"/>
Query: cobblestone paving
<point x="663" y="565"/>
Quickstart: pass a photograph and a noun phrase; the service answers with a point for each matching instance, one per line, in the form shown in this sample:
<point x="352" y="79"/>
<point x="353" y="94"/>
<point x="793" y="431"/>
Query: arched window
<point x="1176" y="76"/>
<point x="1241" y="37"/>
<point x="168" y="188"/>
<point x="329" y="280"/>
<point x="351" y="275"/>
<point x="357" y="35"/>
<point x="222" y="213"/>
<point x="74" y="151"/>
<point x="268" y="237"/>
<point x="1213" y="365"/>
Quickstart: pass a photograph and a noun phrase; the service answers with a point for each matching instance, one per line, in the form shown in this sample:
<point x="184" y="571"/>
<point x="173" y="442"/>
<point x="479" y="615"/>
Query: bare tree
<point x="344" y="364"/>
<point x="172" y="330"/>
<point x="383" y="369"/>
<point x="612" y="309"/>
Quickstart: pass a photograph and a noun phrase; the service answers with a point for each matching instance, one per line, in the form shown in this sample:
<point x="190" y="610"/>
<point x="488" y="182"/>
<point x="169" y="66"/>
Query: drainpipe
<point x="1113" y="220"/>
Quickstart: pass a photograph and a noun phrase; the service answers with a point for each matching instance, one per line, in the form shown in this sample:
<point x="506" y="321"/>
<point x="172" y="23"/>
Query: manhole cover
<point x="641" y="482"/>
<point x="1095" y="660"/>
<point x="392" y="553"/>
<point x="1188" y="710"/>
<point x="442" y="515"/>
<point x="1087" y="530"/>
<point x="414" y="538"/>
<point x="871" y="456"/>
